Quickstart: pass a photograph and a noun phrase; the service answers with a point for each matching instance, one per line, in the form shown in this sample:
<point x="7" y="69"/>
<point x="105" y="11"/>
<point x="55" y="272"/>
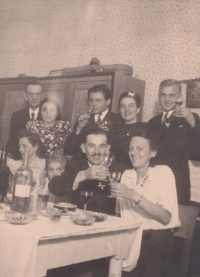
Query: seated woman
<point x="52" y="132"/>
<point x="148" y="193"/>
<point x="55" y="165"/>
<point x="129" y="107"/>
<point x="36" y="154"/>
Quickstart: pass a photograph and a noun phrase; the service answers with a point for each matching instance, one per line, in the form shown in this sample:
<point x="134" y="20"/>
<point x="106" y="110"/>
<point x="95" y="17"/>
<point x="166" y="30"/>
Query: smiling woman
<point x="52" y="132"/>
<point x="129" y="107"/>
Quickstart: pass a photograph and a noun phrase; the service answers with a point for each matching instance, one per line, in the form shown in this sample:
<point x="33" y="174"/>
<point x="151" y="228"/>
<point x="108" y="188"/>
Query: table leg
<point x="115" y="267"/>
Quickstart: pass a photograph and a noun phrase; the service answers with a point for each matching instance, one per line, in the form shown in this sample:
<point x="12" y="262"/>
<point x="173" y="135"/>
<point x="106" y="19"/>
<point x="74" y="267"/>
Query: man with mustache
<point x="89" y="174"/>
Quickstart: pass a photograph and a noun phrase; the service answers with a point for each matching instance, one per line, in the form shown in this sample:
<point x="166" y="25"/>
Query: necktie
<point x="165" y="118"/>
<point x="99" y="119"/>
<point x="32" y="116"/>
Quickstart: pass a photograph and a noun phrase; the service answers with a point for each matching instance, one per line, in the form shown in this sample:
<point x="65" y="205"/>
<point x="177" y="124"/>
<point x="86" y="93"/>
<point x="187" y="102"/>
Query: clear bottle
<point x="22" y="187"/>
<point x="4" y="174"/>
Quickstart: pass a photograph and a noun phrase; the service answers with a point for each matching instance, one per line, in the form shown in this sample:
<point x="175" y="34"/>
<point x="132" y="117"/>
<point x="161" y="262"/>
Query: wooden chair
<point x="187" y="216"/>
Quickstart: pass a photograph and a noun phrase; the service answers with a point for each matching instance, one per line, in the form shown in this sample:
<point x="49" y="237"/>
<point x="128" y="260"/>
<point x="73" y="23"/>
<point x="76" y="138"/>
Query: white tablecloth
<point x="18" y="243"/>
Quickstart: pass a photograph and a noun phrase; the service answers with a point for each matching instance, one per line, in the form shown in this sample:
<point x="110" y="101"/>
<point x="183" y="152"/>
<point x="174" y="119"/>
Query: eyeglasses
<point x="32" y="95"/>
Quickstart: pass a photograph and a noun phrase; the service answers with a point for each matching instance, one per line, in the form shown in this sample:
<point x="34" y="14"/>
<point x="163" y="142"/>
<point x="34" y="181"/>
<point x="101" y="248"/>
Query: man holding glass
<point x="99" y="114"/>
<point x="90" y="174"/>
<point x="178" y="128"/>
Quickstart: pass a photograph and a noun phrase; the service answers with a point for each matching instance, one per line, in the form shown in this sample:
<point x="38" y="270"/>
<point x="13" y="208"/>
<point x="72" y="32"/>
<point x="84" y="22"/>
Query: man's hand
<point x="42" y="180"/>
<point x="103" y="126"/>
<point x="185" y="113"/>
<point x="98" y="172"/>
<point x="82" y="121"/>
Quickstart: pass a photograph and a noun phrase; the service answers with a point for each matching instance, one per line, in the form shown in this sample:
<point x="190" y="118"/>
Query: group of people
<point x="151" y="157"/>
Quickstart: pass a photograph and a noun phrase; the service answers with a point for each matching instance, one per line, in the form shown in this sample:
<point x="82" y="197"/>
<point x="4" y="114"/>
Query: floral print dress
<point x="53" y="138"/>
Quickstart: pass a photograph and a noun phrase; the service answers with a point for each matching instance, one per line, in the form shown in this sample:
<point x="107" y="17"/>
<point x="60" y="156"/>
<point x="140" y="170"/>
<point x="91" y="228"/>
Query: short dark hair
<point x="56" y="157"/>
<point x="153" y="140"/>
<point x="49" y="100"/>
<point x="32" y="83"/>
<point x="169" y="83"/>
<point x="34" y="140"/>
<point x="93" y="130"/>
<point x="101" y="88"/>
<point x="130" y="94"/>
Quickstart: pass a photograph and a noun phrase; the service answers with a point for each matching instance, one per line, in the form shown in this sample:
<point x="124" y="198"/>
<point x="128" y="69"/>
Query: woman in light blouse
<point x="148" y="193"/>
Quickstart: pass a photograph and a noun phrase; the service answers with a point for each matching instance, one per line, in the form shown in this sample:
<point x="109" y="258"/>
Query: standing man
<point x="99" y="98"/>
<point x="33" y="96"/>
<point x="177" y="128"/>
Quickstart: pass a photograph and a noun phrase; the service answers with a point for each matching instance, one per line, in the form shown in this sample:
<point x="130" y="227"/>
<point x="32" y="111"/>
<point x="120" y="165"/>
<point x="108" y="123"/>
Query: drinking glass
<point x="114" y="177"/>
<point x="86" y="197"/>
<point x="179" y="101"/>
<point x="107" y="159"/>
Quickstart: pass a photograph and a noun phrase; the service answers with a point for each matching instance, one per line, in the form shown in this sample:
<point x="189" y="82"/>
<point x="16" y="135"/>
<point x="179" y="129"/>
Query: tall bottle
<point x="22" y="187"/>
<point x="4" y="174"/>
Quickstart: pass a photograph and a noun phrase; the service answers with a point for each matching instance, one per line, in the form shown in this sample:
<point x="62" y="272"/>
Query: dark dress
<point x="120" y="138"/>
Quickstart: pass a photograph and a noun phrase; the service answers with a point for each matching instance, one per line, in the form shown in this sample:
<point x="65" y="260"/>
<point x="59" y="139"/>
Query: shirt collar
<point x="103" y="114"/>
<point x="35" y="112"/>
<point x="169" y="114"/>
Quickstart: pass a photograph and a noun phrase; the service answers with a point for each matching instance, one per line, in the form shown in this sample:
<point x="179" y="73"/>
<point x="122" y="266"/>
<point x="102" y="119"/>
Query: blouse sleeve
<point x="165" y="189"/>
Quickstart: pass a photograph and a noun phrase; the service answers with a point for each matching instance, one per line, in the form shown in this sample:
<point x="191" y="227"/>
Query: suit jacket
<point x="174" y="150"/>
<point x="62" y="185"/>
<point x="73" y="141"/>
<point x="18" y="123"/>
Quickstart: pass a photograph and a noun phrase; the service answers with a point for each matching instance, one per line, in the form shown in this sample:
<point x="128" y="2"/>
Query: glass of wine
<point x="179" y="101"/>
<point x="107" y="159"/>
<point x="86" y="197"/>
<point x="114" y="177"/>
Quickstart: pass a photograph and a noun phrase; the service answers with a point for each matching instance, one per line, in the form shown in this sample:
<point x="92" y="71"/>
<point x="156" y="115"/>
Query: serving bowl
<point x="17" y="218"/>
<point x="99" y="217"/>
<point x="82" y="218"/>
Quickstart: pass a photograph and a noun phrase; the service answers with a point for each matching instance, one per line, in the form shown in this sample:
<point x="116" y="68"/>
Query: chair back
<point x="188" y="217"/>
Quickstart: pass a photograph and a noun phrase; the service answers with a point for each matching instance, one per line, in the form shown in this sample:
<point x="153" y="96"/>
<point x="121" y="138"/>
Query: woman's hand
<point x="121" y="190"/>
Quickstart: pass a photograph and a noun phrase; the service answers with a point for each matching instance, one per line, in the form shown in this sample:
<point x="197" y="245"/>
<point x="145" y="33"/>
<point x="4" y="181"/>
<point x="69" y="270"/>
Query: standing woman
<point x="148" y="193"/>
<point x="52" y="132"/>
<point x="129" y="107"/>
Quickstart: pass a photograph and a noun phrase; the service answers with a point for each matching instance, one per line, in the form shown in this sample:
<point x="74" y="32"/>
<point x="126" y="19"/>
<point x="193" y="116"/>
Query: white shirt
<point x="159" y="188"/>
<point x="35" y="113"/>
<point x="103" y="114"/>
<point x="169" y="114"/>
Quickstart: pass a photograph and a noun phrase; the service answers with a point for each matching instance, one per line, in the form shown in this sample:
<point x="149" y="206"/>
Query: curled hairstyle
<point x="154" y="142"/>
<point x="34" y="140"/>
<point x="32" y="83"/>
<point x="56" y="157"/>
<point x="169" y="83"/>
<point x="101" y="88"/>
<point x="94" y="130"/>
<point x="130" y="94"/>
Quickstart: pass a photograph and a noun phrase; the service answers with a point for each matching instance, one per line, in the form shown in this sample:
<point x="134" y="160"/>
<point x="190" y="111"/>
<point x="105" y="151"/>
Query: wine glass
<point x="86" y="197"/>
<point x="179" y="101"/>
<point x="107" y="159"/>
<point x="114" y="177"/>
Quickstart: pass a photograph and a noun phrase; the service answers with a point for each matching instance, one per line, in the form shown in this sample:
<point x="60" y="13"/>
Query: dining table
<point x="31" y="249"/>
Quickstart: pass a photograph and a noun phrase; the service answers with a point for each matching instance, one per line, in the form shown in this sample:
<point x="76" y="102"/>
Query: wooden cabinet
<point x="69" y="90"/>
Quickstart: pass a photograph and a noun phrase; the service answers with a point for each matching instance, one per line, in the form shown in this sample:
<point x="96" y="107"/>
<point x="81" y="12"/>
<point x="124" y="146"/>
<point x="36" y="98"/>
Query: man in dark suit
<point x="99" y="98"/>
<point x="89" y="174"/>
<point x="19" y="119"/>
<point x="177" y="128"/>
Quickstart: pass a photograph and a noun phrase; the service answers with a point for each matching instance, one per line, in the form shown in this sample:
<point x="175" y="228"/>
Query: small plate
<point x="47" y="213"/>
<point x="99" y="217"/>
<point x="82" y="218"/>
<point x="65" y="206"/>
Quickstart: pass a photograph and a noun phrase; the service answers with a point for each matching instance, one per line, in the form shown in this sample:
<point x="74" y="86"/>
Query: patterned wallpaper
<point x="158" y="38"/>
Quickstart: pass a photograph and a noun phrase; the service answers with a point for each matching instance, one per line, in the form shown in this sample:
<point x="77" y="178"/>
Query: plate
<point x="82" y="218"/>
<point x="47" y="213"/>
<point x="65" y="206"/>
<point x="99" y="217"/>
